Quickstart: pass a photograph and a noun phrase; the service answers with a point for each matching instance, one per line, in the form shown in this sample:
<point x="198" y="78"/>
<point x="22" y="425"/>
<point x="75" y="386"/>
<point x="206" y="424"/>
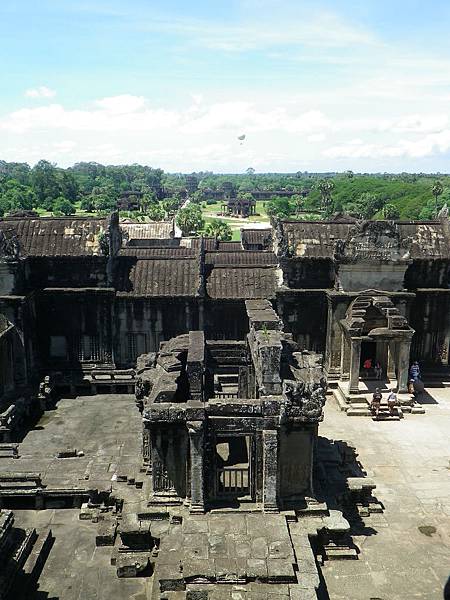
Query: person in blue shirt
<point x="414" y="371"/>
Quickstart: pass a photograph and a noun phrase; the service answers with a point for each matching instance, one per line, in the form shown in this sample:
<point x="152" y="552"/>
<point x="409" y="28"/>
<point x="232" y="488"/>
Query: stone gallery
<point x="163" y="395"/>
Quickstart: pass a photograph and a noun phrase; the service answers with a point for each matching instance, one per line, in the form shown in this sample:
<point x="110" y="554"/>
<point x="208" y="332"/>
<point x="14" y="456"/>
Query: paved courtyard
<point x="404" y="552"/>
<point x="408" y="553"/>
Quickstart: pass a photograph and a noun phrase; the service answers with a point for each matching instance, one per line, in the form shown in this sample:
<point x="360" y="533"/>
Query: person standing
<point x="414" y="371"/>
<point x="378" y="370"/>
<point x="367" y="366"/>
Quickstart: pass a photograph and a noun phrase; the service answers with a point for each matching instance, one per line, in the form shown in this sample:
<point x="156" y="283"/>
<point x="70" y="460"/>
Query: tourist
<point x="367" y="366"/>
<point x="378" y="370"/>
<point x="392" y="401"/>
<point x="414" y="371"/>
<point x="376" y="401"/>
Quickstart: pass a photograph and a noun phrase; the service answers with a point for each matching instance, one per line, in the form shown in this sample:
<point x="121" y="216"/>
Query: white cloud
<point x="284" y="132"/>
<point x="40" y="92"/>
<point x="433" y="143"/>
<point x="316" y="137"/>
<point x="119" y="105"/>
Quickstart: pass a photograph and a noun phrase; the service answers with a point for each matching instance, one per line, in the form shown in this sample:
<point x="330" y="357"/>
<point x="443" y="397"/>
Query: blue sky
<point x="313" y="85"/>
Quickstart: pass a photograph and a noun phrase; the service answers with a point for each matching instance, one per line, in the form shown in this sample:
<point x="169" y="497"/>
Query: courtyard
<point x="403" y="552"/>
<point x="406" y="552"/>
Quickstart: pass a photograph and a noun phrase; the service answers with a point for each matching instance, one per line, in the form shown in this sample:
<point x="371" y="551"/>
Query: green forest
<point x="91" y="188"/>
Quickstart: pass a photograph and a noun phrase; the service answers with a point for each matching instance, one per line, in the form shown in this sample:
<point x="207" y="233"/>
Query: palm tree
<point x="219" y="229"/>
<point x="326" y="187"/>
<point x="437" y="190"/>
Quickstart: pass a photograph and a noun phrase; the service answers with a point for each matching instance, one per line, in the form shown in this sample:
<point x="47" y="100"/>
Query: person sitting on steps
<point x="392" y="401"/>
<point x="376" y="402"/>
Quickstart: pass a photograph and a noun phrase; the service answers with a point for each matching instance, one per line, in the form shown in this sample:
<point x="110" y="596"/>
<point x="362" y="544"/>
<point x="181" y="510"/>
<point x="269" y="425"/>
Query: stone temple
<point x="163" y="398"/>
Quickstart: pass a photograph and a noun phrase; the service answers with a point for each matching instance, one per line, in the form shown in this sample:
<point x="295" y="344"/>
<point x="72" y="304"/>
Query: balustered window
<point x="137" y="344"/>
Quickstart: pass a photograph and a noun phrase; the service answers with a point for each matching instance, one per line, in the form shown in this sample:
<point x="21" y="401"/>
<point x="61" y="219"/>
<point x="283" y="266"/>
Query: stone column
<point x="391" y="361"/>
<point x="355" y="358"/>
<point x="270" y="480"/>
<point x="158" y="327"/>
<point x="336" y="312"/>
<point x="157" y="461"/>
<point x="403" y="366"/>
<point x="201" y="316"/>
<point x="382" y="357"/>
<point x="146" y="445"/>
<point x="187" y="309"/>
<point x="345" y="358"/>
<point x="196" y="435"/>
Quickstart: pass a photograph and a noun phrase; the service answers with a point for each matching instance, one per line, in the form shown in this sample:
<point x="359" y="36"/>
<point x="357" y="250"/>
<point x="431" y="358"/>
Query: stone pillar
<point x="336" y="312"/>
<point x="146" y="445"/>
<point x="158" y="327"/>
<point x="382" y="357"/>
<point x="403" y="366"/>
<point x="201" y="316"/>
<point x="345" y="358"/>
<point x="196" y="435"/>
<point x="157" y="461"/>
<point x="170" y="462"/>
<point x="187" y="309"/>
<point x="355" y="358"/>
<point x="270" y="480"/>
<point x="391" y="361"/>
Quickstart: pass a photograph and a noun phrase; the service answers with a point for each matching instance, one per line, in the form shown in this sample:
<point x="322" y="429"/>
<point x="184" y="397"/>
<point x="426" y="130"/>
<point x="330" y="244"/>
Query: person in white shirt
<point x="392" y="401"/>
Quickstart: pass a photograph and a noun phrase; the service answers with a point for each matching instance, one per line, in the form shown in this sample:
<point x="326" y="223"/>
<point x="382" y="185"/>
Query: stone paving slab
<point x="231" y="547"/>
<point x="107" y="428"/>
<point x="409" y="461"/>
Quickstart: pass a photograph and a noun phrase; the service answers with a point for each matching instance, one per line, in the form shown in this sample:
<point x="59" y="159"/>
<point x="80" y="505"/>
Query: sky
<point x="314" y="85"/>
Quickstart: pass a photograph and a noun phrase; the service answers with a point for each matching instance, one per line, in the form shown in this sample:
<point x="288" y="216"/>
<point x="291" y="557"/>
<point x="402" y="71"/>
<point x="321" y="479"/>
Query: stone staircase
<point x="358" y="405"/>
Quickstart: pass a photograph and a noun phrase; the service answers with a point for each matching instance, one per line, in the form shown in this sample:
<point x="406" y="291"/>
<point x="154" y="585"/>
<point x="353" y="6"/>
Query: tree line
<point x="94" y="189"/>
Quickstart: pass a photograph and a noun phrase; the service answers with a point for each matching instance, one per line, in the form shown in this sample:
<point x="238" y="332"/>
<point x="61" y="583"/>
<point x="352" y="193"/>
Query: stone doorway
<point x="368" y="350"/>
<point x="233" y="468"/>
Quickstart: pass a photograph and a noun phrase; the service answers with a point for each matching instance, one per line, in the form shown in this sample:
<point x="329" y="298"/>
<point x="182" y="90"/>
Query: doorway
<point x="368" y="351"/>
<point x="233" y="467"/>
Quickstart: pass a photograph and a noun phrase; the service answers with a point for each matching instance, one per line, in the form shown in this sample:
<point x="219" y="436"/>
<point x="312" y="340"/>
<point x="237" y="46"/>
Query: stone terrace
<point x="404" y="551"/>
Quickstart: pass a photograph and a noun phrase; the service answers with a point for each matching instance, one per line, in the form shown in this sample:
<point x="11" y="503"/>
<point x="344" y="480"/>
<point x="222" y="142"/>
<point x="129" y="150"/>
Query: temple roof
<point x="50" y="236"/>
<point x="317" y="239"/>
<point x="244" y="257"/>
<point x="158" y="278"/>
<point x="242" y="282"/>
<point x="158" y="252"/>
<point x="158" y="230"/>
<point x="262" y="237"/>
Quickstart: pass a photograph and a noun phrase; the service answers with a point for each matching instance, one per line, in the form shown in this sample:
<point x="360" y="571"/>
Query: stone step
<point x="359" y="412"/>
<point x="340" y="399"/>
<point x="36" y="560"/>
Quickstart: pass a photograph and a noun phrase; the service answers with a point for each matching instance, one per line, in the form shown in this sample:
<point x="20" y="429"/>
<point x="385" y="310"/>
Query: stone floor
<point x="76" y="569"/>
<point x="405" y="553"/>
<point x="106" y="428"/>
<point x="224" y="548"/>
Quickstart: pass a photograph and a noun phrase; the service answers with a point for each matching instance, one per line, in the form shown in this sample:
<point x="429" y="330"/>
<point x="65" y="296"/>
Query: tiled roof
<point x="158" y="230"/>
<point x="158" y="277"/>
<point x="310" y="239"/>
<point x="209" y="243"/>
<point x="57" y="236"/>
<point x="242" y="282"/>
<point x="257" y="236"/>
<point x="244" y="257"/>
<point x="229" y="246"/>
<point x="165" y="252"/>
